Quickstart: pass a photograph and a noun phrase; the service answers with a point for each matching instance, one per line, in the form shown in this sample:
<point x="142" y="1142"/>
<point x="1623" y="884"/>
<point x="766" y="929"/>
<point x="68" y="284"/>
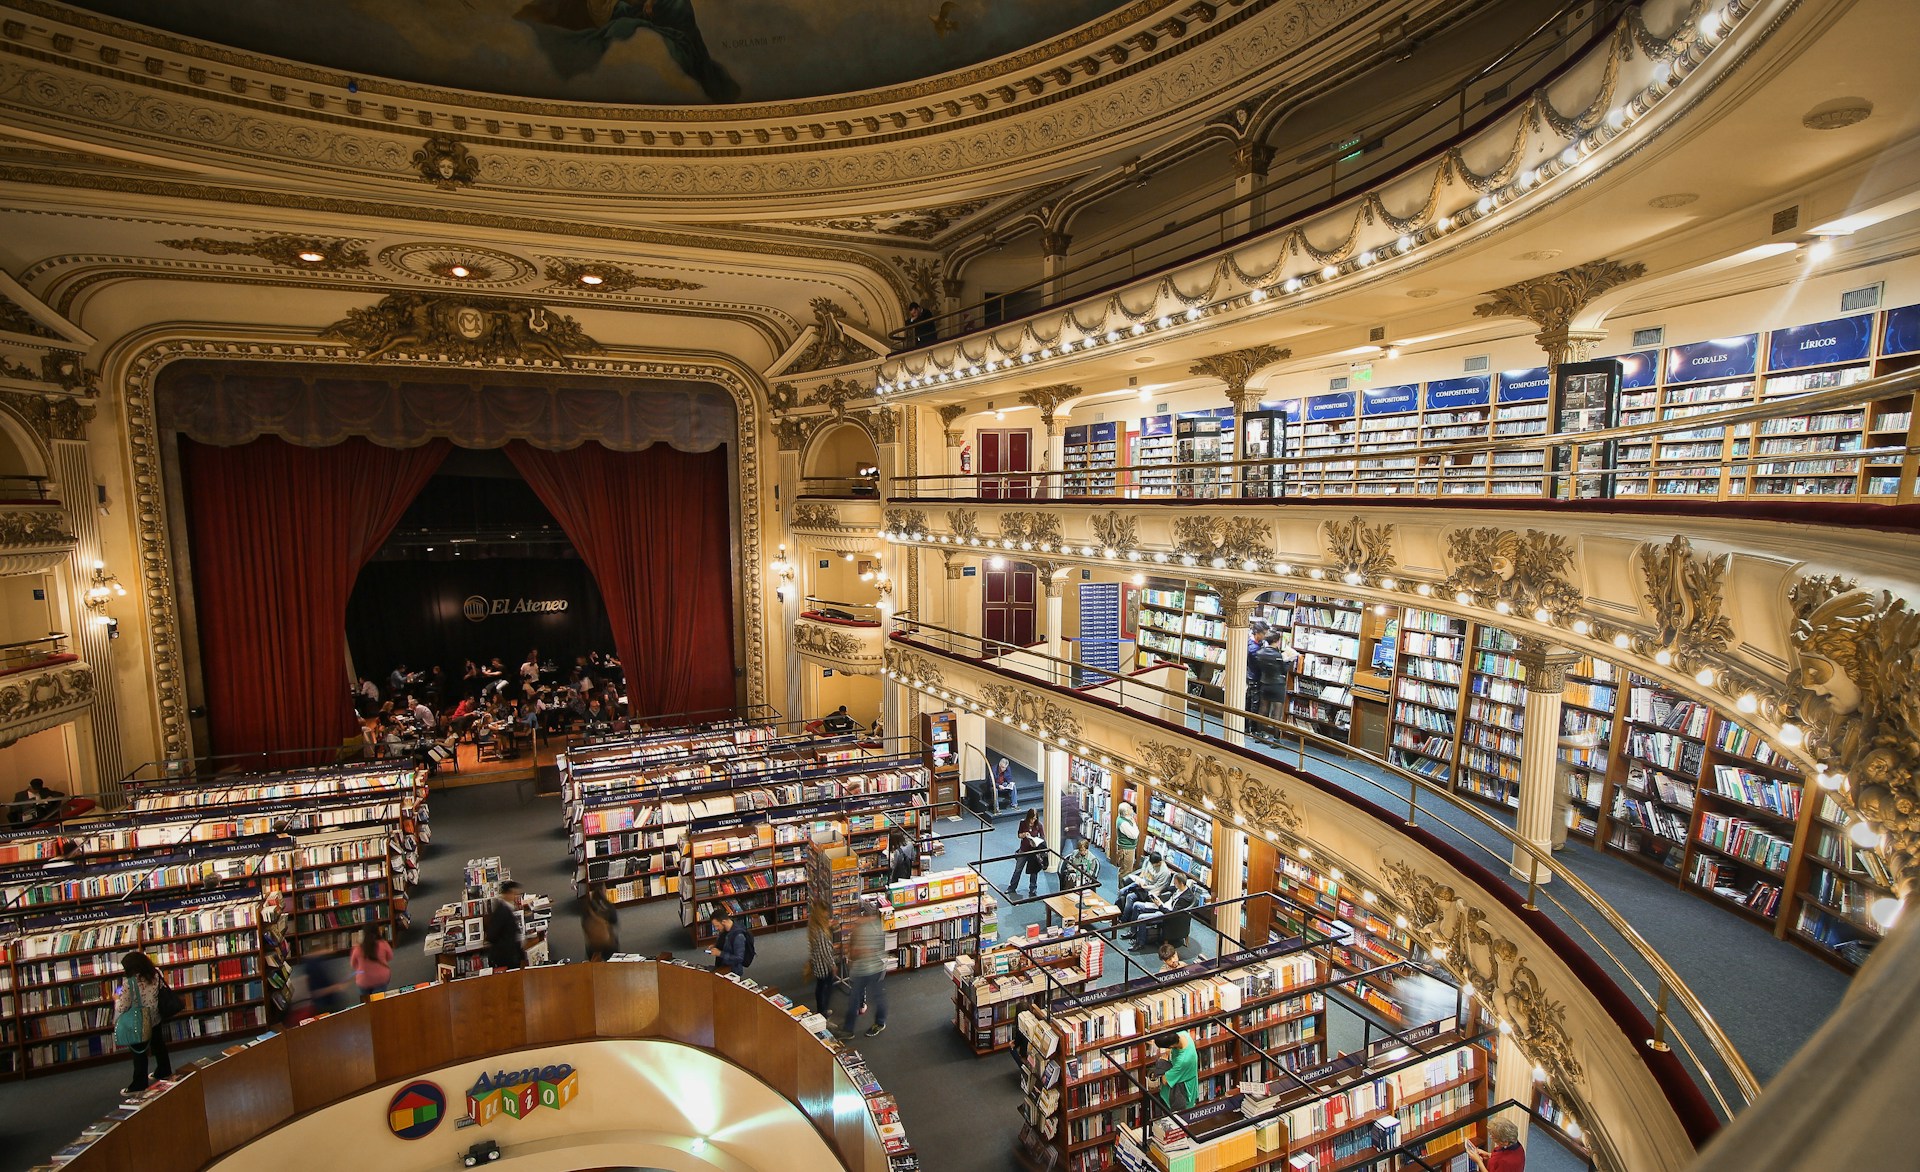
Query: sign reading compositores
<point x="517" y="1093"/>
<point x="416" y="1109"/>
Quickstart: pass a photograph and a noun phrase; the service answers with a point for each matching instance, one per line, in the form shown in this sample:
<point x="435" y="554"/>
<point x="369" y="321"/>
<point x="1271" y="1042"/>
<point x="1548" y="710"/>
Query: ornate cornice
<point x="332" y="255"/>
<point x="1686" y="594"/>
<point x="1048" y="399"/>
<point x="1030" y="711"/>
<point x="609" y="278"/>
<point x="1553" y="302"/>
<point x="41" y="698"/>
<point x="1235" y="367"/>
<point x="463" y="329"/>
<point x="33" y="539"/>
<point x="856" y="650"/>
<point x="1222" y="541"/>
<point x="50" y="417"/>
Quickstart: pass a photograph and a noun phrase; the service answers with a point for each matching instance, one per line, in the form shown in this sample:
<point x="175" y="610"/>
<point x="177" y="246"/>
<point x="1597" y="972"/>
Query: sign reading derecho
<point x="517" y="1093"/>
<point x="478" y="609"/>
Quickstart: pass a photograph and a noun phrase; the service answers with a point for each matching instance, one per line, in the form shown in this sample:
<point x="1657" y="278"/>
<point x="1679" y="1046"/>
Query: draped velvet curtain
<point x="653" y="526"/>
<point x="278" y="535"/>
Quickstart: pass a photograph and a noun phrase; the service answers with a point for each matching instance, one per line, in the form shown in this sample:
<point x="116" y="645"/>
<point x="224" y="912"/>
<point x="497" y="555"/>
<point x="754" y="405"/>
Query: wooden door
<point x="1006" y="450"/>
<point x="1008" y="598"/>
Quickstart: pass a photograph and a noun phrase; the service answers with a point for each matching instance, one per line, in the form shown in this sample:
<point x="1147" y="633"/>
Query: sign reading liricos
<point x="516" y="1093"/>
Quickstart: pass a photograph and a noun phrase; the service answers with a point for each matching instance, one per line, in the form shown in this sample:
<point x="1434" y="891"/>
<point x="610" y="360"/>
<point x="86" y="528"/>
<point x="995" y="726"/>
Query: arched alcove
<point x="842" y="451"/>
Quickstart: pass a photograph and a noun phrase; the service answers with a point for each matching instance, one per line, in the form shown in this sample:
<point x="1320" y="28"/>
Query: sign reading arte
<point x="517" y="1093"/>
<point x="478" y="608"/>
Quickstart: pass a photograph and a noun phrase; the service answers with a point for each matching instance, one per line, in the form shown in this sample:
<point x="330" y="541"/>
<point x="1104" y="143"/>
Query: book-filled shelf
<point x="1426" y="694"/>
<point x="1326" y="634"/>
<point x="1183" y="622"/>
<point x="928" y="919"/>
<point x="1089" y="455"/>
<point x="1490" y="735"/>
<point x="989" y="990"/>
<point x="1092" y="785"/>
<point x="1841" y="884"/>
<point x="753" y="865"/>
<point x="1184" y="837"/>
<point x="1663" y="756"/>
<point x="1310" y="899"/>
<point x="457" y="935"/>
<point x="1588" y="702"/>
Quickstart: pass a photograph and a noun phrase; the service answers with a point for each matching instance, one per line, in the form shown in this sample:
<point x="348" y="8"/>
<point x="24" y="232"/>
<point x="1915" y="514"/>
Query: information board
<point x="1099" y="629"/>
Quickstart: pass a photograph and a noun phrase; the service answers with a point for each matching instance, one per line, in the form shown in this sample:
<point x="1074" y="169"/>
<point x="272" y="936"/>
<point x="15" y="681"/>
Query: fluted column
<point x="1546" y="666"/>
<point x="1055" y="588"/>
<point x="1239" y="616"/>
<point x="1053" y="789"/>
<point x="73" y="471"/>
<point x="1512" y="1078"/>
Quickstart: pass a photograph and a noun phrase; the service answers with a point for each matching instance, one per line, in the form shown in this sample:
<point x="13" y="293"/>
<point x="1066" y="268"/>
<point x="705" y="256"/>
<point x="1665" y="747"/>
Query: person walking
<point x="902" y="858"/>
<point x="372" y="960"/>
<point x="137" y="1024"/>
<point x="599" y="923"/>
<point x="822" y="965"/>
<point x="867" y="965"/>
<point x="1031" y="859"/>
<point x="505" y="948"/>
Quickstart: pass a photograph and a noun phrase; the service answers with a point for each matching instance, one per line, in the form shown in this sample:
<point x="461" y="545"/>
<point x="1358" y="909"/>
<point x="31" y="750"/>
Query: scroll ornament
<point x="965" y="524"/>
<point x="810" y="637"/>
<point x="1032" y="530"/>
<point x="1528" y="571"/>
<point x="1115" y="530"/>
<point x="1030" y="710"/>
<point x="1361" y="549"/>
<point x="1685" y="592"/>
<point x="912" y="667"/>
<point x="905" y="523"/>
<point x="463" y="329"/>
<point x="1226" y="540"/>
<point x="813" y="515"/>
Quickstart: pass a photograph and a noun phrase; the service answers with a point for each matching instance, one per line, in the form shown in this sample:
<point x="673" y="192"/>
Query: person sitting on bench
<point x="36" y="803"/>
<point x="1148" y="883"/>
<point x="839" y="722"/>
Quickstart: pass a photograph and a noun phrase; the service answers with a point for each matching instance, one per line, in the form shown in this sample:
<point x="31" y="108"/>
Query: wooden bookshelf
<point x="1184" y="835"/>
<point x="1428" y="687"/>
<point x="1663" y="756"/>
<point x="1326" y="634"/>
<point x="1183" y="621"/>
<point x="1589" y="705"/>
<point x="1089" y="453"/>
<point x="1489" y="764"/>
<point x="1017" y="973"/>
<point x="1376" y="941"/>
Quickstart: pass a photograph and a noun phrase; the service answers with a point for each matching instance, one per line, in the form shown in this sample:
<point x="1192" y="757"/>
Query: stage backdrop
<point x="423" y="613"/>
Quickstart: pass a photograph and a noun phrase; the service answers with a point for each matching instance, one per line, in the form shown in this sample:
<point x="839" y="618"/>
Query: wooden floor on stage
<point x="473" y="771"/>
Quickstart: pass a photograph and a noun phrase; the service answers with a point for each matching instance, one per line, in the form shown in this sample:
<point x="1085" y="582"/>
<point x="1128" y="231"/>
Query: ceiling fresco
<point x="653" y="52"/>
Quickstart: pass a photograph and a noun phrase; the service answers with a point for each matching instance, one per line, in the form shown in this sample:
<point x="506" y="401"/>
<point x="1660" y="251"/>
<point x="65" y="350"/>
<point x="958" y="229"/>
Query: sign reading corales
<point x="1846" y="339"/>
<point x="1698" y="362"/>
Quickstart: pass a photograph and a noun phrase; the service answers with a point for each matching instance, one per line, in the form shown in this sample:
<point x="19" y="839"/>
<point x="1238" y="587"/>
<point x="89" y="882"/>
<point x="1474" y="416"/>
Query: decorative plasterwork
<point x="1546" y="664"/>
<point x="948" y="414"/>
<point x="42" y="698"/>
<point x="905" y="521"/>
<point x="835" y="396"/>
<point x="812" y="515"/>
<point x="1203" y="779"/>
<point x="1031" y="530"/>
<point x="853" y="649"/>
<point x="16" y="320"/>
<point x="882" y="423"/>
<point x="918" y="224"/>
<point x="609" y="278"/>
<point x="280" y="249"/>
<point x="1235" y="367"/>
<point x="964" y="524"/>
<point x="832" y="345"/>
<point x="1493" y="963"/>
<point x="446" y="163"/>
<point x="792" y="434"/>
<point x="50" y="417"/>
<point x="923" y="277"/>
<point x="456" y="266"/>
<point x="1553" y="302"/>
<point x="1048" y="399"/>
<point x="1115" y="530"/>
<point x="1685" y="593"/>
<point x="1030" y="710"/>
<point x="137" y="365"/>
<point x="914" y="666"/>
<point x="1223" y="540"/>
<point x="472" y="330"/>
<point x="1529" y="572"/>
<point x="1359" y="551"/>
<point x="1856" y="691"/>
<point x="33" y="538"/>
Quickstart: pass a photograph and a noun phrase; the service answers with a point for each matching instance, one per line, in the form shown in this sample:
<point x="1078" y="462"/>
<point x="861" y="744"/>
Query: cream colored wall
<point x="22" y="616"/>
<point x="861" y="694"/>
<point x="50" y="754"/>
<point x="640" y="1104"/>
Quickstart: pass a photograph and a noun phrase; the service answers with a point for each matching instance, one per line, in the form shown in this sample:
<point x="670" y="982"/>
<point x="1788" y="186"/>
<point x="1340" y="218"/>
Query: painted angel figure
<point x="580" y="32"/>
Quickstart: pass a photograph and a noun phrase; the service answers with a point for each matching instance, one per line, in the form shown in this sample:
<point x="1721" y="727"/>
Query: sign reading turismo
<point x="517" y="1093"/>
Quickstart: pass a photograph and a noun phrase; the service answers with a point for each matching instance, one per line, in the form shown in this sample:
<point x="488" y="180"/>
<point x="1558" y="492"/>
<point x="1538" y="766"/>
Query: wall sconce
<point x="104" y="586"/>
<point x="782" y="571"/>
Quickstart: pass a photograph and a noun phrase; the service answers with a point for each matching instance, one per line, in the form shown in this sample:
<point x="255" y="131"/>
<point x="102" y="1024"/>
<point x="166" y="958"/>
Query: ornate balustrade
<point x="853" y="647"/>
<point x="34" y="537"/>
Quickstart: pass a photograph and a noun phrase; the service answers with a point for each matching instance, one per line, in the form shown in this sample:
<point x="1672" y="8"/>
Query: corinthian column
<point x="1546" y="667"/>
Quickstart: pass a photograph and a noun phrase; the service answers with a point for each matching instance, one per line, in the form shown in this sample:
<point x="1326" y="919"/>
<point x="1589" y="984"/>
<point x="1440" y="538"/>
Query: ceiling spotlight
<point x="1423" y="590"/>
<point x="312" y="257"/>
<point x="1329" y="273"/>
<point x="1747" y="702"/>
<point x="1292" y="285"/>
<point x="591" y="279"/>
<point x="459" y="271"/>
<point x="1582" y="627"/>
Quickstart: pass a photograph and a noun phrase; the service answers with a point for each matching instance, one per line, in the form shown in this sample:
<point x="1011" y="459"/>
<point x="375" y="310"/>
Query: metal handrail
<point x="927" y="331"/>
<point x="1221" y="475"/>
<point x="1670" y="985"/>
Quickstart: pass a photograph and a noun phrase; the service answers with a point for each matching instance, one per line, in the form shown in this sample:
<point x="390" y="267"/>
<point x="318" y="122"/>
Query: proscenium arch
<point x="135" y="362"/>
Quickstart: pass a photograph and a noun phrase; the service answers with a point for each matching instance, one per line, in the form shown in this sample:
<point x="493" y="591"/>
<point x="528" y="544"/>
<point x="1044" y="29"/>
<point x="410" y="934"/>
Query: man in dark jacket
<point x="1176" y="906"/>
<point x="505" y="949"/>
<point x="729" y="949"/>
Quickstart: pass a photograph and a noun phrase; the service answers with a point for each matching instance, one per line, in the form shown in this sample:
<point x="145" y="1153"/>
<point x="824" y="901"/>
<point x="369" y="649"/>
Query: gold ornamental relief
<point x="904" y="522"/>
<point x="1231" y="539"/>
<point x="1115" y="530"/>
<point x="964" y="524"/>
<point x="812" y="515"/>
<point x="1357" y="548"/>
<point x="294" y="252"/>
<point x="1531" y="571"/>
<point x="33" y="527"/>
<point x="811" y="638"/>
<point x="474" y="330"/>
<point x="1031" y="529"/>
<point x="914" y="667"/>
<point x="1686" y="593"/>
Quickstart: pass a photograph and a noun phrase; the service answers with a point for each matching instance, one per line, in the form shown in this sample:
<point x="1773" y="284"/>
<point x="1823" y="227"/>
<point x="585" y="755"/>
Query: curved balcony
<point x="851" y="645"/>
<point x="42" y="686"/>
<point x="841" y="524"/>
<point x="750" y="1086"/>
<point x="1586" y="998"/>
<point x="33" y="527"/>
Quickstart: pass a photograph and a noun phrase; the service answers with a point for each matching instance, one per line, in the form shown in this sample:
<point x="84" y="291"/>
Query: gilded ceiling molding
<point x="1048" y="399"/>
<point x="914" y="224"/>
<point x="34" y="701"/>
<point x="49" y="417"/>
<point x="1032" y="530"/>
<point x="1495" y="966"/>
<point x="1235" y="367"/>
<point x="609" y="278"/>
<point x="446" y="163"/>
<point x="281" y="249"/>
<point x="1854" y="689"/>
<point x="1209" y="538"/>
<point x="964" y="524"/>
<point x="1361" y="553"/>
<point x="136" y="364"/>
<point x="831" y="345"/>
<point x="1030" y="710"/>
<point x="473" y="330"/>
<point x="1531" y="572"/>
<point x="904" y="521"/>
<point x="1686" y="593"/>
<point x="1553" y="302"/>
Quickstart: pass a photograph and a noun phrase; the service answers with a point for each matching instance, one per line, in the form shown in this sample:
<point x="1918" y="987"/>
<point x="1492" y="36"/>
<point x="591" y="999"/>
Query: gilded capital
<point x="1553" y="301"/>
<point x="1235" y="367"/>
<point x="1547" y="664"/>
<point x="1048" y="399"/>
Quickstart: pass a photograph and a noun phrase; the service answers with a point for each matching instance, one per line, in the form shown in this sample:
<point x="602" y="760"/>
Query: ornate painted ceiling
<point x="652" y="52"/>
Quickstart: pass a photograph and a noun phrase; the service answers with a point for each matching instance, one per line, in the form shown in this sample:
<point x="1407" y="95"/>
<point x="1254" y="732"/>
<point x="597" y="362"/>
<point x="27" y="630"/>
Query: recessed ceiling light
<point x="1678" y="199"/>
<point x="1837" y="114"/>
<point x="312" y="257"/>
<point x="1424" y="292"/>
<point x="591" y="278"/>
<point x="459" y="271"/>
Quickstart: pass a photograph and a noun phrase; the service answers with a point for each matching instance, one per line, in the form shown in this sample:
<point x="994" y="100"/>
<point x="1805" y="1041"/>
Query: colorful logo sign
<point x="416" y="1110"/>
<point x="517" y="1093"/>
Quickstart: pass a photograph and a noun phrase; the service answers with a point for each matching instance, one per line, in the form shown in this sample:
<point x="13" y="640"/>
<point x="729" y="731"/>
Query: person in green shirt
<point x="1179" y="1086"/>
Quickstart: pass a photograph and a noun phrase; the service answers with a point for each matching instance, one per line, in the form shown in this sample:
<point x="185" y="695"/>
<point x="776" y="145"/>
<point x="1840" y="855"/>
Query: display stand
<point x="457" y="939"/>
<point x="987" y="995"/>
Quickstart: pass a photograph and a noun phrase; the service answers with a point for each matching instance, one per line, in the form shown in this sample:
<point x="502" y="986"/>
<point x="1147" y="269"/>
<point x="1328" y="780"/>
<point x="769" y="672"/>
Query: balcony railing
<point x="840" y="487"/>
<point x="19" y="489"/>
<point x="1679" y="1017"/>
<point x="1616" y="463"/>
<point x="1395" y="139"/>
<point x="29" y="653"/>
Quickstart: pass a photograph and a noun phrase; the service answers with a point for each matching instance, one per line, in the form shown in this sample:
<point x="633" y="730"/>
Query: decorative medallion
<point x="1359" y="548"/>
<point x="464" y="329"/>
<point x="783" y="397"/>
<point x="295" y="252"/>
<point x="1222" y="539"/>
<point x="446" y="163"/>
<point x="456" y="265"/>
<point x="416" y="1110"/>
<point x="1115" y="530"/>
<point x="1031" y="530"/>
<point x="1530" y="572"/>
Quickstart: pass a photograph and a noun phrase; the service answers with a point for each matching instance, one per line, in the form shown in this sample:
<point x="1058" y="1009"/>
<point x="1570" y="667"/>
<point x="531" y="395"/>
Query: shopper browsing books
<point x="1031" y="858"/>
<point x="1126" y="837"/>
<point x="822" y="965"/>
<point x="1503" y="1152"/>
<point x="372" y="960"/>
<point x="599" y="923"/>
<point x="505" y="948"/>
<point x="136" y="1020"/>
<point x="867" y="965"/>
<point x="732" y="948"/>
<point x="1173" y="911"/>
<point x="1174" y="1077"/>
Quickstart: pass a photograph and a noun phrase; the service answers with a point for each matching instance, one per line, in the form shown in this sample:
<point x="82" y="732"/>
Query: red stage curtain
<point x="653" y="527"/>
<point x="279" y="533"/>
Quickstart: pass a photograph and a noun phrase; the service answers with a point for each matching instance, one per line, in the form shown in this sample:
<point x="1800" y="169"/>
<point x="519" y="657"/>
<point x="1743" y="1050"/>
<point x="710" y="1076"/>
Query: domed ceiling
<point x="649" y="52"/>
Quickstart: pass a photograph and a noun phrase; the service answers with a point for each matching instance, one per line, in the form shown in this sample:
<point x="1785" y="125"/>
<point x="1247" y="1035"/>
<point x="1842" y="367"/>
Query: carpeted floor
<point x="961" y="1110"/>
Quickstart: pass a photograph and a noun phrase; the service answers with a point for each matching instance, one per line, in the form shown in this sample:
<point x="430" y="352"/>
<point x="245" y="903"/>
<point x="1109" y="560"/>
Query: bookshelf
<point x="457" y="938"/>
<point x="1014" y="974"/>
<point x="1427" y="689"/>
<point x="1840" y="883"/>
<point x="1093" y="785"/>
<point x="1153" y="446"/>
<point x="1375" y="941"/>
<point x="1808" y="358"/>
<point x="936" y="917"/>
<point x="1389" y="419"/>
<point x="1184" y="835"/>
<point x="1182" y="621"/>
<point x="1663" y="756"/>
<point x="1489" y="768"/>
<point x="1520" y="411"/>
<point x="1749" y="804"/>
<point x="1457" y="410"/>
<point x="1089" y="453"/>
<point x="1327" y="433"/>
<point x="1588" y="704"/>
<point x="940" y="756"/>
<point x="1326" y="634"/>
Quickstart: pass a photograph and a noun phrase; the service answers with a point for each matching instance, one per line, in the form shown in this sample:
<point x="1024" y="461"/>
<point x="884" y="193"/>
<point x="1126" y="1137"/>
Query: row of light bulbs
<point x="1571" y="160"/>
<point x="1088" y="753"/>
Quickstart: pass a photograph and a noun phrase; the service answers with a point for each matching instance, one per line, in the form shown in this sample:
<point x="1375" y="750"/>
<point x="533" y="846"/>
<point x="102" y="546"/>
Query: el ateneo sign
<point x="479" y="608"/>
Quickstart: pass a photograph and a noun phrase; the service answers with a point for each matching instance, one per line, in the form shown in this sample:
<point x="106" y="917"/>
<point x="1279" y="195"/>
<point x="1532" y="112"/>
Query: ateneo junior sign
<point x="479" y="608"/>
<point x="517" y="1093"/>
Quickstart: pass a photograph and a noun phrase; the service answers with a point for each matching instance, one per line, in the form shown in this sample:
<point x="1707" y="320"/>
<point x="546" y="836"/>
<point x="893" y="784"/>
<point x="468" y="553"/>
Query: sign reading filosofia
<point x="478" y="608"/>
<point x="517" y="1093"/>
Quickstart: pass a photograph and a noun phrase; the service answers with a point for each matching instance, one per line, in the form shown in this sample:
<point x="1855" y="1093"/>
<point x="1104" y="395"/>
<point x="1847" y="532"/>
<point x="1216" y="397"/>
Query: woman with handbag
<point x="138" y="1021"/>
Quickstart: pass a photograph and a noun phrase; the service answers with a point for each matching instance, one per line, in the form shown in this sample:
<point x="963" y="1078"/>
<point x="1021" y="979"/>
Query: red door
<point x="1009" y="599"/>
<point x="1006" y="450"/>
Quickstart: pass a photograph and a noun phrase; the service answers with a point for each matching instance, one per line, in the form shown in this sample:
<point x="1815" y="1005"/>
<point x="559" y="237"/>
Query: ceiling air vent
<point x="1479" y="364"/>
<point x="1786" y="219"/>
<point x="1855" y="300"/>
<point x="1377" y="334"/>
<point x="1651" y="336"/>
<point x="1338" y="383"/>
